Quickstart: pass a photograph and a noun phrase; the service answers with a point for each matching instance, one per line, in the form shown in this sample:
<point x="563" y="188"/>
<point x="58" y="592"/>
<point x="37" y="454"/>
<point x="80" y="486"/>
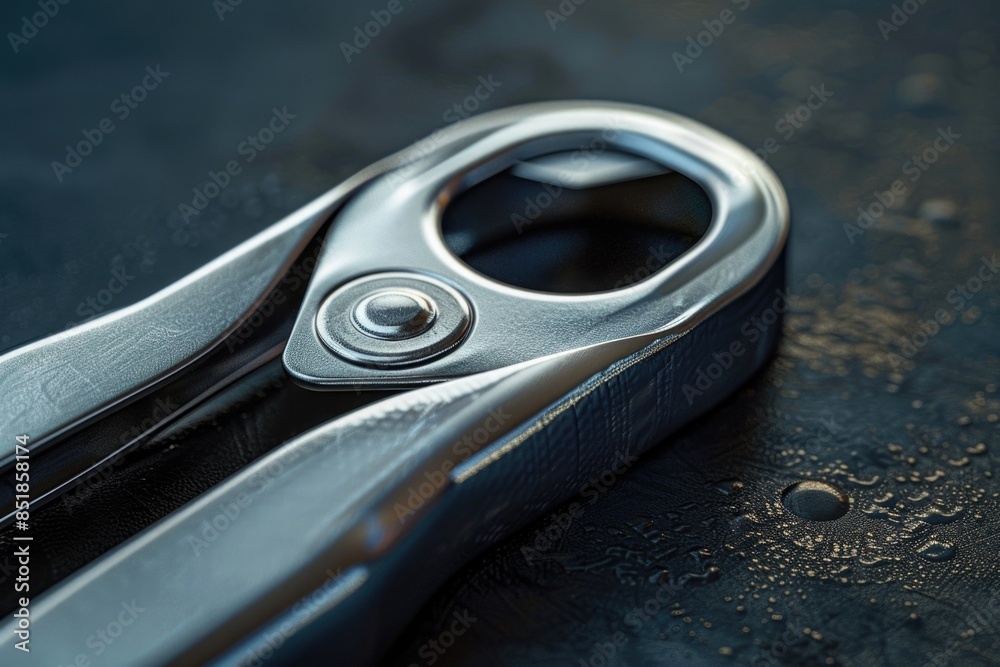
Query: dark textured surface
<point x="162" y="473"/>
<point x="908" y="576"/>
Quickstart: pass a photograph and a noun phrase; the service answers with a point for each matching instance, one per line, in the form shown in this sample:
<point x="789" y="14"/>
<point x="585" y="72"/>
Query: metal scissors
<point x="482" y="388"/>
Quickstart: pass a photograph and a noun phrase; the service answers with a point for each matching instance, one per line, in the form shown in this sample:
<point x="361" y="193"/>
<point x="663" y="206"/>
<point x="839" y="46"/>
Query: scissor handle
<point x="394" y="224"/>
<point x="335" y="539"/>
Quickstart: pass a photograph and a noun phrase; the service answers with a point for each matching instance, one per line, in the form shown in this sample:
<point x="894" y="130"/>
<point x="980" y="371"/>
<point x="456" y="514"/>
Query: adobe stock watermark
<point x="657" y="258"/>
<point x="228" y="511"/>
<point x="790" y="123"/>
<point x="7" y="568"/>
<point x="364" y="34"/>
<point x="31" y="25"/>
<point x="562" y="12"/>
<point x="296" y="278"/>
<point x="484" y="87"/>
<point x="223" y="7"/>
<point x="462" y="450"/>
<point x="470" y="104"/>
<point x="959" y="297"/>
<point x="580" y="161"/>
<point x="94" y="305"/>
<point x="104" y="637"/>
<point x="722" y="360"/>
<point x="301" y="613"/>
<point x="122" y="107"/>
<point x="900" y="14"/>
<point x="249" y="149"/>
<point x="211" y="528"/>
<point x="560" y="522"/>
<point x="251" y="196"/>
<point x="778" y="651"/>
<point x="432" y="650"/>
<point x="828" y="428"/>
<point x="714" y="28"/>
<point x="604" y="652"/>
<point x="985" y="619"/>
<point x="914" y="168"/>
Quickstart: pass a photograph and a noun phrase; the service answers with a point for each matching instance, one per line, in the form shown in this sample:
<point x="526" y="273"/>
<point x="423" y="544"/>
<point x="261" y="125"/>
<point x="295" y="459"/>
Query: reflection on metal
<point x="744" y="239"/>
<point x="349" y="323"/>
<point x="542" y="391"/>
<point x="570" y="169"/>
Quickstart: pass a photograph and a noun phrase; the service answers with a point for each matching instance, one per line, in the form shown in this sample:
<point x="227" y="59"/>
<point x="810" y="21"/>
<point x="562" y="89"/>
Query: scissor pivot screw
<point x="393" y="319"/>
<point x="394" y="314"/>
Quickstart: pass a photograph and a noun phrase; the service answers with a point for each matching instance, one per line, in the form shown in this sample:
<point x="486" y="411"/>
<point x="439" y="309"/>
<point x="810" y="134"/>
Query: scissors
<point x="467" y="343"/>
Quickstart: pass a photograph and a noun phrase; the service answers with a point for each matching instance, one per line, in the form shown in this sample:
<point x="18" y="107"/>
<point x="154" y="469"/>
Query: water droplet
<point x="977" y="449"/>
<point x="729" y="487"/>
<point x="938" y="210"/>
<point x="938" y="515"/>
<point x="886" y="499"/>
<point x="876" y="512"/>
<point x="815" y="500"/>
<point x="935" y="551"/>
<point x="874" y="560"/>
<point x="863" y="482"/>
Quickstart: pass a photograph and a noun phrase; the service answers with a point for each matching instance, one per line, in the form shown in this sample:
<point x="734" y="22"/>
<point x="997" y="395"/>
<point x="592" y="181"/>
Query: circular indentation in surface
<point x="935" y="551"/>
<point x="815" y="500"/>
<point x="393" y="319"/>
<point x="394" y="314"/>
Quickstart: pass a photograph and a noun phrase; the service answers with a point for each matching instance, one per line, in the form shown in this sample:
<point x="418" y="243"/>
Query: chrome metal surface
<point x="394" y="314"/>
<point x="746" y="233"/>
<point x="63" y="381"/>
<point x="438" y="319"/>
<point x="332" y="497"/>
<point x="563" y="169"/>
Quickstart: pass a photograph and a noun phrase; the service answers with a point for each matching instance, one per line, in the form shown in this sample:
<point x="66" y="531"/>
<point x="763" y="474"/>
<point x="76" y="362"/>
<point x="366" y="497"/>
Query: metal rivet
<point x="394" y="314"/>
<point x="393" y="319"/>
